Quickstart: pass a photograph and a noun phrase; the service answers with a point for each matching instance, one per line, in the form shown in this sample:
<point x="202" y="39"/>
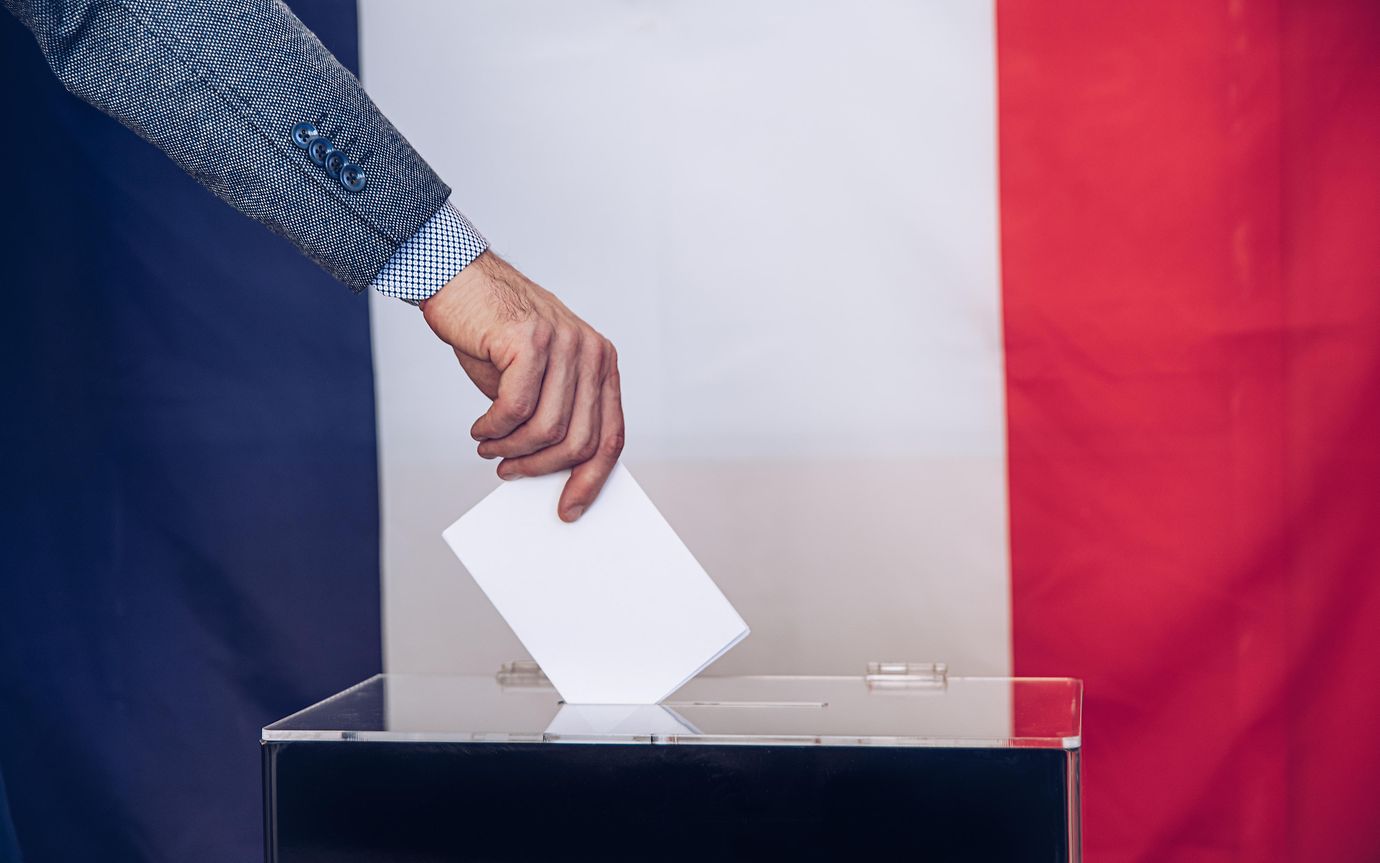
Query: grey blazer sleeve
<point x="220" y="85"/>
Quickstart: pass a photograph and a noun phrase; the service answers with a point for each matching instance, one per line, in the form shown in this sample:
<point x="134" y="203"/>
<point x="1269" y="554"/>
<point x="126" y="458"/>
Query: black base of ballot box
<point x="904" y="763"/>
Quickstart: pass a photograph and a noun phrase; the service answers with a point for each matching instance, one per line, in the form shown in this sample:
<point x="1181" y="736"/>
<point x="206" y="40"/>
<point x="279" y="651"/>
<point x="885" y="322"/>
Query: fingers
<point x="519" y="387"/>
<point x="582" y="438"/>
<point x="553" y="417"/>
<point x="588" y="478"/>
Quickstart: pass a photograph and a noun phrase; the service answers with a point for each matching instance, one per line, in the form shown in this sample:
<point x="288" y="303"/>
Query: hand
<point x="552" y="378"/>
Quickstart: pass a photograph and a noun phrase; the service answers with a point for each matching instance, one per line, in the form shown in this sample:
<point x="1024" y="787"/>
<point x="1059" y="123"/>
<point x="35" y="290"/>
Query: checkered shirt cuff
<point x="421" y="266"/>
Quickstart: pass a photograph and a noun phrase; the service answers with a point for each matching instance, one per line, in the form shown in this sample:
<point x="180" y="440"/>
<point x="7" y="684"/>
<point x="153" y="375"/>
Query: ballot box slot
<point x="756" y="705"/>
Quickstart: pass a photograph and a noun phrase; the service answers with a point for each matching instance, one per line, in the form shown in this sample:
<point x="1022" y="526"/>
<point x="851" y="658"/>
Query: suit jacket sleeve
<point x="220" y="85"/>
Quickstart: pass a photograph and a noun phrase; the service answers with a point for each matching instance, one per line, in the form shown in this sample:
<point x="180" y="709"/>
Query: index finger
<point x="588" y="478"/>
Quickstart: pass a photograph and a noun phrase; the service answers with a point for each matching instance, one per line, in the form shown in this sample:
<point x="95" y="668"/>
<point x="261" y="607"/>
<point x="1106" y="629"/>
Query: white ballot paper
<point x="614" y="608"/>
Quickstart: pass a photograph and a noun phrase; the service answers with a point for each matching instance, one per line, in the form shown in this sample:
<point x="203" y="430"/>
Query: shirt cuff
<point x="420" y="267"/>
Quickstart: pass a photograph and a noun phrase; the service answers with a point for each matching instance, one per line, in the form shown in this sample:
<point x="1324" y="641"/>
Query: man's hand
<point x="552" y="378"/>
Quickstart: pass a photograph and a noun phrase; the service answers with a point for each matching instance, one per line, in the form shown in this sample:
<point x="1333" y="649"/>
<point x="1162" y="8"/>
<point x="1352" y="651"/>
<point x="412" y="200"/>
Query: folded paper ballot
<point x="614" y="608"/>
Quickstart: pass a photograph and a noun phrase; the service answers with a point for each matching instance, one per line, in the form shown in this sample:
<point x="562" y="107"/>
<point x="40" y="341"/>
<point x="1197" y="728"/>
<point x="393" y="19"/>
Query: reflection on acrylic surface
<point x="636" y="720"/>
<point x="979" y="711"/>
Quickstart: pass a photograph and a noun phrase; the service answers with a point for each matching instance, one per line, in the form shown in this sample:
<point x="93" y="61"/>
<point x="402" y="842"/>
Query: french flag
<point x="1039" y="338"/>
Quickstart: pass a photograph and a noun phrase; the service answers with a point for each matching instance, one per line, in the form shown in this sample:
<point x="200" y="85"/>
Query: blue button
<point x="319" y="149"/>
<point x="303" y="133"/>
<point x="352" y="177"/>
<point x="335" y="160"/>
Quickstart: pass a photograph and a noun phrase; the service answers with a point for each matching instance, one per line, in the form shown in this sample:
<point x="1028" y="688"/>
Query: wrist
<point x="482" y="297"/>
<point x="463" y="297"/>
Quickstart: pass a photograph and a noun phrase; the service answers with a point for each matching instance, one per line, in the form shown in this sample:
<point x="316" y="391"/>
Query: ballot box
<point x="901" y="762"/>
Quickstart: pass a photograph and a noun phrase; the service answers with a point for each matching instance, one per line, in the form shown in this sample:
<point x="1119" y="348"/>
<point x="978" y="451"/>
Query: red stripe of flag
<point x="1190" y="206"/>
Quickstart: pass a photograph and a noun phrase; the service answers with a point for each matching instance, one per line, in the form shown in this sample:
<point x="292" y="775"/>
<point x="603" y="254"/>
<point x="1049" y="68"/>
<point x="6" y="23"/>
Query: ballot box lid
<point x="892" y="704"/>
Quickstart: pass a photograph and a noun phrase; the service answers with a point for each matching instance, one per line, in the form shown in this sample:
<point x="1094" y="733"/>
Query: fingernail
<point x="574" y="512"/>
<point x="509" y="475"/>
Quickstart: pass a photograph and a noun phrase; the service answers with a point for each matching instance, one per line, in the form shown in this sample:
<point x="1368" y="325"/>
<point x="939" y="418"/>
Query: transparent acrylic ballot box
<point x="902" y="763"/>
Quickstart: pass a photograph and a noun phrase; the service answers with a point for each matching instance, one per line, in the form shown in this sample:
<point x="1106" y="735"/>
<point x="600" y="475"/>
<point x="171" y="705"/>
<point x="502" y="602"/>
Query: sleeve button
<point x="335" y="160"/>
<point x="352" y="177"/>
<point x="319" y="149"/>
<point x="303" y="134"/>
